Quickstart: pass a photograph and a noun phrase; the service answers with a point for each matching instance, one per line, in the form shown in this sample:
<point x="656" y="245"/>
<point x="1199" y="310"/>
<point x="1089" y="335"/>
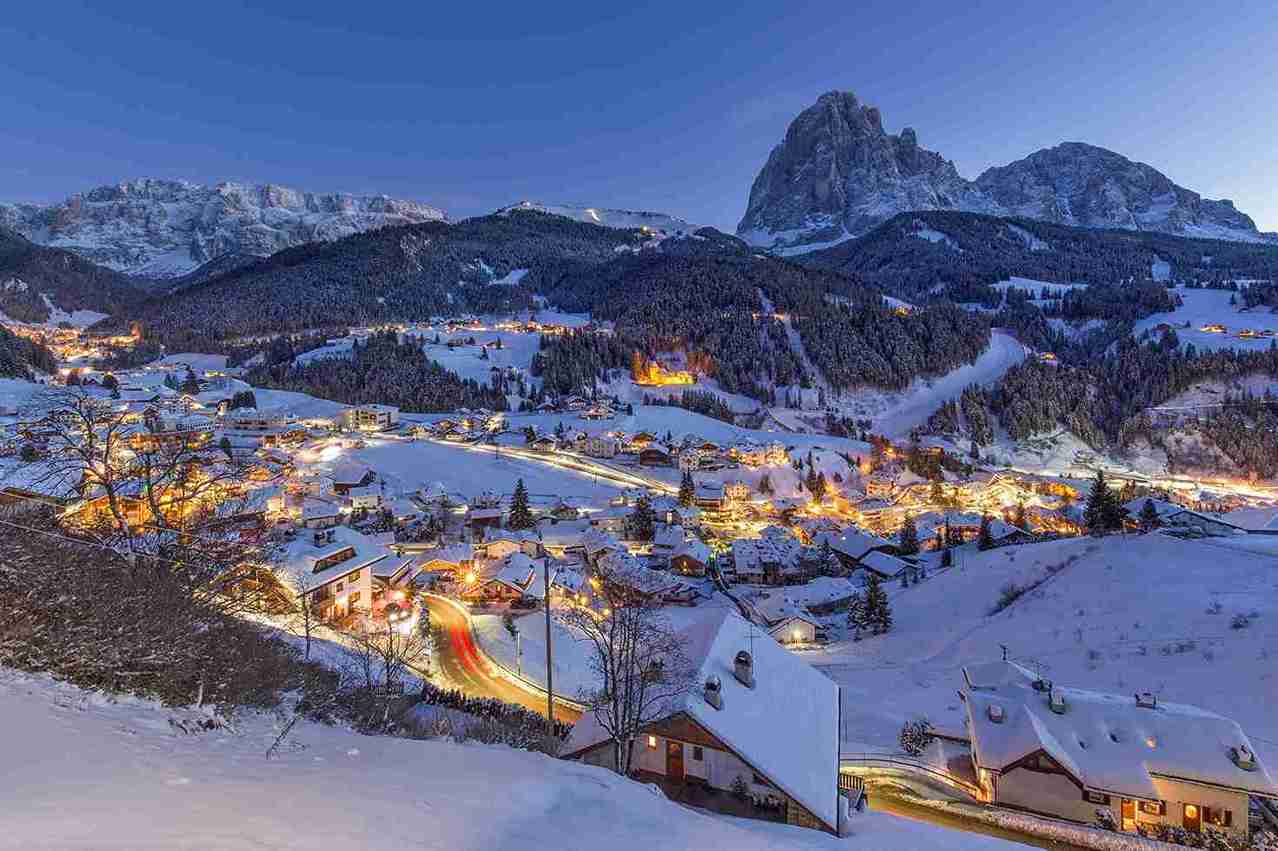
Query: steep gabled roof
<point x="785" y="727"/>
<point x="1107" y="742"/>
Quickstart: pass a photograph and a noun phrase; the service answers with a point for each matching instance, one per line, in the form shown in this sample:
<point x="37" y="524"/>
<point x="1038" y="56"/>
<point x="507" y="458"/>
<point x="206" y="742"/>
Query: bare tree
<point x="636" y="658"/>
<point x="175" y="482"/>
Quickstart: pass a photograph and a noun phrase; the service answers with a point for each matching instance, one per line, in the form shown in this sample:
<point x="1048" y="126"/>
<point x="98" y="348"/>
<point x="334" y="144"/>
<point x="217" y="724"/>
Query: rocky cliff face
<point x="838" y="173"/>
<point x="1078" y="184"/>
<point x="164" y="228"/>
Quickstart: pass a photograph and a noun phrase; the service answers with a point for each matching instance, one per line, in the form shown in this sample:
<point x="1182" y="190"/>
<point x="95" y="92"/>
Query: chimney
<point x="1056" y="702"/>
<point x="996" y="713"/>
<point x="1146" y="700"/>
<point x="743" y="669"/>
<point x="714" y="692"/>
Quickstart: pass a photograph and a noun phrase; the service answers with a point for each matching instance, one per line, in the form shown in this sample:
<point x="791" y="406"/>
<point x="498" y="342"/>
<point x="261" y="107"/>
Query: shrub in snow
<point x="1240" y="621"/>
<point x="916" y="735"/>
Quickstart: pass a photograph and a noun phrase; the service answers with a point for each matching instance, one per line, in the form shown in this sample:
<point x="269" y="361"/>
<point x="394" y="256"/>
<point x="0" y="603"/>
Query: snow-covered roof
<point x="883" y="564"/>
<point x="299" y="558"/>
<point x="1108" y="742"/>
<point x="695" y="549"/>
<point x="801" y="759"/>
<point x="855" y="544"/>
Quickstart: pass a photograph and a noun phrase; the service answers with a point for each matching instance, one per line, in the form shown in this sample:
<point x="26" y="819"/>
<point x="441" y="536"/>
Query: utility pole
<point x="550" y="689"/>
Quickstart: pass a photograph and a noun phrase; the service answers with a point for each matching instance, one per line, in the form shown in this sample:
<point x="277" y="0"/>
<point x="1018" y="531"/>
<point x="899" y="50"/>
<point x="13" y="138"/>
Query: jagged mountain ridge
<point x="165" y="229"/>
<point x="838" y="173"/>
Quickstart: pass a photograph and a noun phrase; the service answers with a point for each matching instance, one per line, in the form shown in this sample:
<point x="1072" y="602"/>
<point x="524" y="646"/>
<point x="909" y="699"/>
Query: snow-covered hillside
<point x="1205" y="307"/>
<point x="895" y="413"/>
<point x="166" y="228"/>
<point x="1123" y="613"/>
<point x="83" y="771"/>
<point x="663" y="222"/>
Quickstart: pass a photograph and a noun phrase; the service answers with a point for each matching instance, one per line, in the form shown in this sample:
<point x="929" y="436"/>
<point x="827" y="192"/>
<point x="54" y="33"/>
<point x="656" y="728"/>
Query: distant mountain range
<point x="663" y="223"/>
<point x="166" y="229"/>
<point x="838" y="174"/>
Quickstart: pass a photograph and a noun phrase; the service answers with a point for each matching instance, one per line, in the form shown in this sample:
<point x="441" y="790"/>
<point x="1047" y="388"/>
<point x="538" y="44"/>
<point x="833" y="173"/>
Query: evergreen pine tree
<point x="857" y="620"/>
<point x="821" y="486"/>
<point x="1096" y="512"/>
<point x="642" y="519"/>
<point x="765" y="485"/>
<point x="687" y="489"/>
<point x="909" y="537"/>
<point x="520" y="514"/>
<point x="984" y="540"/>
<point x="878" y="609"/>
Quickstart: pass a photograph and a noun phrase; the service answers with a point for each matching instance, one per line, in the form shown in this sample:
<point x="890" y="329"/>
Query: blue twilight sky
<point x="663" y="106"/>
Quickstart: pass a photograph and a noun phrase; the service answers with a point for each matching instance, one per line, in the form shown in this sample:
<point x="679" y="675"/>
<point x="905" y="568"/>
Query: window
<point x="1153" y="808"/>
<point x="697" y="754"/>
<point x="354" y="597"/>
<point x="354" y="577"/>
<point x="652" y="743"/>
<point x="1216" y="816"/>
<point x="337" y="589"/>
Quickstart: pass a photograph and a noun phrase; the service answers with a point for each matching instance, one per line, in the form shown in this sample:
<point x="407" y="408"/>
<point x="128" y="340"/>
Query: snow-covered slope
<point x="83" y="771"/>
<point x="661" y="222"/>
<point x="166" y="228"/>
<point x="1123" y="613"/>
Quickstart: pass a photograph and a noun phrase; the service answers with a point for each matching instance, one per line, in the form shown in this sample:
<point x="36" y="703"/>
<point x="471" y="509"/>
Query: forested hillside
<point x="385" y="371"/>
<point x="410" y="272"/>
<point x="18" y="356"/>
<point x="958" y="255"/>
<point x="30" y="272"/>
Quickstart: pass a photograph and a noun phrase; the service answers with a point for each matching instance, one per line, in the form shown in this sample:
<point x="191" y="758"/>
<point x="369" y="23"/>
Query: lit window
<point x="652" y="742"/>
<point x="1191" y="811"/>
<point x="1152" y="808"/>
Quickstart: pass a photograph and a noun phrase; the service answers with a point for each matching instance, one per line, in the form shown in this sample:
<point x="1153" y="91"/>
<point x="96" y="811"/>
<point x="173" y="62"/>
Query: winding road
<point x="468" y="669"/>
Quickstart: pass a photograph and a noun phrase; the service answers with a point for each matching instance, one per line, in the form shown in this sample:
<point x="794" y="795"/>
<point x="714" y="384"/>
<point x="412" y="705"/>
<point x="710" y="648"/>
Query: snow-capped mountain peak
<point x="838" y="174"/>
<point x="166" y="228"/>
<point x="610" y="218"/>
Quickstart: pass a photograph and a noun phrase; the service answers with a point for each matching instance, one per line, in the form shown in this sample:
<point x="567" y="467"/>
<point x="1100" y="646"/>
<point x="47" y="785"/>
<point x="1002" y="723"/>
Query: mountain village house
<point x="1077" y="754"/>
<point x="369" y="417"/>
<point x="729" y="731"/>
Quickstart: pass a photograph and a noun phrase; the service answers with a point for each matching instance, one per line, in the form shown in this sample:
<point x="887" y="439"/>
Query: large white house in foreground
<point x="759" y="719"/>
<point x="1075" y="754"/>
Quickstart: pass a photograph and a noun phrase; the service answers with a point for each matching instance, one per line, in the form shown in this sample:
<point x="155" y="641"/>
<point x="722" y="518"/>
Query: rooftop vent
<point x="1242" y="757"/>
<point x="743" y="669"/>
<point x="714" y="692"/>
<point x="996" y="713"/>
<point x="1056" y="702"/>
<point x="1146" y="700"/>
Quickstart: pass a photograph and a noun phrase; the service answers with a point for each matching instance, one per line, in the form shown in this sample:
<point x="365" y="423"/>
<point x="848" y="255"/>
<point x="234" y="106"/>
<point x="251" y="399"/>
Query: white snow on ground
<point x="510" y="279"/>
<point x="84" y="771"/>
<point x="932" y="235"/>
<point x="78" y="318"/>
<point x="333" y="349"/>
<point x="1036" y="286"/>
<point x="197" y="361"/>
<point x="894" y="414"/>
<point x="469" y="471"/>
<point x="571" y="657"/>
<point x="1203" y="307"/>
<point x="1121" y="614"/>
<point x="300" y="405"/>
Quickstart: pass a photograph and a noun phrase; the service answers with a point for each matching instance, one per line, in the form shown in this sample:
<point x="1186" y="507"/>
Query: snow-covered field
<point x="894" y="414"/>
<point x="1204" y="307"/>
<point x="408" y="465"/>
<point x="84" y="771"/>
<point x="1122" y="614"/>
